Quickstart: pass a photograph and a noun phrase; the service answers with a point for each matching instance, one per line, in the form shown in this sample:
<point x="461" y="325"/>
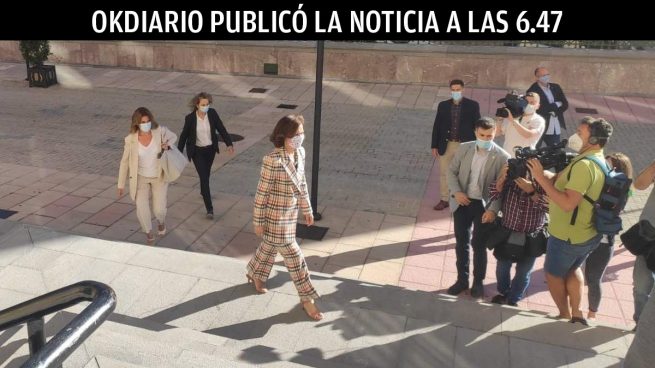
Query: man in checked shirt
<point x="524" y="209"/>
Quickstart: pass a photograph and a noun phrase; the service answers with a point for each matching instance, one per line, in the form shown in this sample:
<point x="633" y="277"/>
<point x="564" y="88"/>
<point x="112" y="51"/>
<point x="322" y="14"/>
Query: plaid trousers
<point x="261" y="263"/>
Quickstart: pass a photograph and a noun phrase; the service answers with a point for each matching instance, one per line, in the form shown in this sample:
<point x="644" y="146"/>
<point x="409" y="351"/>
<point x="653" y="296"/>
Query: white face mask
<point x="296" y="141"/>
<point x="145" y="127"/>
<point x="575" y="142"/>
<point x="530" y="109"/>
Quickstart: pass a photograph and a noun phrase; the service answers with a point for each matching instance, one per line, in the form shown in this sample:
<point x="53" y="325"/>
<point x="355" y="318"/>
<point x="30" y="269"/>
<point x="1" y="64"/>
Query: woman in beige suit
<point x="143" y="147"/>
<point x="282" y="189"/>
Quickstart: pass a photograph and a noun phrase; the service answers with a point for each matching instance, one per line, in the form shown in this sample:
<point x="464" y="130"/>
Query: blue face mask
<point x="485" y="145"/>
<point x="204" y="108"/>
<point x="145" y="127"/>
<point x="545" y="79"/>
<point x="456" y="95"/>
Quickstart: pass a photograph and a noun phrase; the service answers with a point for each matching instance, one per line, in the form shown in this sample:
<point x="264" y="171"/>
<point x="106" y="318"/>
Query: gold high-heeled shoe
<point x="316" y="315"/>
<point x="259" y="288"/>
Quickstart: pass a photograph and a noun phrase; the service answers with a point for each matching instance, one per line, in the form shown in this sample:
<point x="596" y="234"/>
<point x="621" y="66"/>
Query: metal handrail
<point x="62" y="344"/>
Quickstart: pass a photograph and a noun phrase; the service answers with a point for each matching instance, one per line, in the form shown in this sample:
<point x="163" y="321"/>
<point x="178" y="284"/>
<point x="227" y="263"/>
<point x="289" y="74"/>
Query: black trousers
<point x="465" y="217"/>
<point x="203" y="160"/>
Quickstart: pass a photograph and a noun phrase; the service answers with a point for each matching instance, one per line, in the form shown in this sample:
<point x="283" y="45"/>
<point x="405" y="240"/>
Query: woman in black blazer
<point x="201" y="141"/>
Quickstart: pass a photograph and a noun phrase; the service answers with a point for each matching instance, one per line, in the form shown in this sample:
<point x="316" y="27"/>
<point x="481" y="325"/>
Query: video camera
<point x="550" y="157"/>
<point x="514" y="102"/>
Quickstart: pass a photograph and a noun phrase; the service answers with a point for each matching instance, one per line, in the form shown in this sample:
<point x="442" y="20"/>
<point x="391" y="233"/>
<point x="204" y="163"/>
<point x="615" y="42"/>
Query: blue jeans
<point x="593" y="272"/>
<point x="520" y="282"/>
<point x="642" y="281"/>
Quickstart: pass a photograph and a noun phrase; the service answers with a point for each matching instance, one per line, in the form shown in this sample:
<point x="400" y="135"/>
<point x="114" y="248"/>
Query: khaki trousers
<point x="444" y="162"/>
<point x="158" y="188"/>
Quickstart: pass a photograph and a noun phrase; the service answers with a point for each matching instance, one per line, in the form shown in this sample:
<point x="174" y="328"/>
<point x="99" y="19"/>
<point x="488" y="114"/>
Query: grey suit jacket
<point x="459" y="172"/>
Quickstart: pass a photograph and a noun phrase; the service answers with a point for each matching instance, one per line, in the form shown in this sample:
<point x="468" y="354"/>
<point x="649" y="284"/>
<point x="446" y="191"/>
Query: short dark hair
<point x="599" y="128"/>
<point x="537" y="70"/>
<point x="456" y="81"/>
<point x="286" y="128"/>
<point x="485" y="123"/>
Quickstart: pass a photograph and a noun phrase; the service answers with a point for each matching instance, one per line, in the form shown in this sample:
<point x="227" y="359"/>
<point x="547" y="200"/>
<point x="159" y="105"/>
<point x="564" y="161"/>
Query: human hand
<point x="488" y="216"/>
<point x="536" y="169"/>
<point x="525" y="185"/>
<point x="462" y="199"/>
<point x="309" y="219"/>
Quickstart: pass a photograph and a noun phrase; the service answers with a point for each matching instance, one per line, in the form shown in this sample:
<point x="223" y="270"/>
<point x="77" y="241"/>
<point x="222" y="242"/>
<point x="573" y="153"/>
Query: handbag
<point x="514" y="248"/>
<point x="172" y="163"/>
<point x="646" y="230"/>
<point x="536" y="242"/>
<point x="491" y="234"/>
<point x="636" y="238"/>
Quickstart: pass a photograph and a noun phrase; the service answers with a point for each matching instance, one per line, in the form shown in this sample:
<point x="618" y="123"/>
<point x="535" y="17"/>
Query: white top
<point x="514" y="139"/>
<point x="148" y="159"/>
<point x="553" y="126"/>
<point x="474" y="189"/>
<point x="203" y="137"/>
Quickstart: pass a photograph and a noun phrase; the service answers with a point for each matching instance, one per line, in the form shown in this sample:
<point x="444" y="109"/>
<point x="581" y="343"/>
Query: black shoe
<point x="512" y="304"/>
<point x="499" y="299"/>
<point x="457" y="288"/>
<point x="477" y="291"/>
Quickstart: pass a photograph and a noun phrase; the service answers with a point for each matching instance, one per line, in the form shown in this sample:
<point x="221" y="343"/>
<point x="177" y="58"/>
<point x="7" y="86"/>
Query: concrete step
<point x="153" y="345"/>
<point x="101" y="361"/>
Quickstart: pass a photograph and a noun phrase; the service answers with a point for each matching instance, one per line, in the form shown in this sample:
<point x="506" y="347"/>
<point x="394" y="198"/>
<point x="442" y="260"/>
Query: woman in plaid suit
<point x="282" y="189"/>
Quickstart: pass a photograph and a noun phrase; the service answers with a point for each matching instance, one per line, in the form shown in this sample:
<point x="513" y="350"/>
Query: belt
<point x="453" y="140"/>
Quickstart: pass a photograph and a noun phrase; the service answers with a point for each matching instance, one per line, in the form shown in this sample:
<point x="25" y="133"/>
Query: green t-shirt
<point x="586" y="178"/>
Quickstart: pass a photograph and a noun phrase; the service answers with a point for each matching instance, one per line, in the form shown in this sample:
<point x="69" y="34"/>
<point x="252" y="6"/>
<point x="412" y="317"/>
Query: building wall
<point x="607" y="72"/>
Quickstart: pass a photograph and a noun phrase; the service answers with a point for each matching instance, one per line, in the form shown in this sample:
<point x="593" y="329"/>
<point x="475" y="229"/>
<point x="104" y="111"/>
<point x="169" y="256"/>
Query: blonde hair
<point x="621" y="163"/>
<point x="193" y="104"/>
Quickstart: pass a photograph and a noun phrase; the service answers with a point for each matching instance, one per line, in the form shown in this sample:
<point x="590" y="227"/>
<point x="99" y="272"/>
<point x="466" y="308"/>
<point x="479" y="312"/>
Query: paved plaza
<point x="61" y="148"/>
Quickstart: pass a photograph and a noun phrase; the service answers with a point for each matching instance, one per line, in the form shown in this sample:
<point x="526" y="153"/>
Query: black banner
<point x="534" y="20"/>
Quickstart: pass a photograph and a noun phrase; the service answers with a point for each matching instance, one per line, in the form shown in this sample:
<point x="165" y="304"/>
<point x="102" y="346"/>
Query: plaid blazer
<point x="282" y="189"/>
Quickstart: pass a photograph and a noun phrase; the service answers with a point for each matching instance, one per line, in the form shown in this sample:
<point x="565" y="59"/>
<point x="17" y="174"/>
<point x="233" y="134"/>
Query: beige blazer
<point x="130" y="160"/>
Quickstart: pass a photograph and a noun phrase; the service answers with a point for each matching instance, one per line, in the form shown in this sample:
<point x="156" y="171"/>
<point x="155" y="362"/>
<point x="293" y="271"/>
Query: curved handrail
<point x="62" y="344"/>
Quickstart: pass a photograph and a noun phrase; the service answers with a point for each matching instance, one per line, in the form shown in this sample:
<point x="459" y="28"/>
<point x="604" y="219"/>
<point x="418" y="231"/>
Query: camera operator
<point x="527" y="130"/>
<point x="573" y="234"/>
<point x="524" y="208"/>
<point x="553" y="106"/>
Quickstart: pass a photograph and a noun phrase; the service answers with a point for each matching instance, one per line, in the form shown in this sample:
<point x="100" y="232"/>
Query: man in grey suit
<point x="473" y="168"/>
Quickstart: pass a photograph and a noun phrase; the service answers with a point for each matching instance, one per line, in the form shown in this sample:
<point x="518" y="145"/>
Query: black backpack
<point x="612" y="199"/>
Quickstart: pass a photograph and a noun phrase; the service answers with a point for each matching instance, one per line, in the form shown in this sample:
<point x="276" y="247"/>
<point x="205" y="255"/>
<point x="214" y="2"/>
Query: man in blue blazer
<point x="473" y="168"/>
<point x="452" y="125"/>
<point x="553" y="104"/>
